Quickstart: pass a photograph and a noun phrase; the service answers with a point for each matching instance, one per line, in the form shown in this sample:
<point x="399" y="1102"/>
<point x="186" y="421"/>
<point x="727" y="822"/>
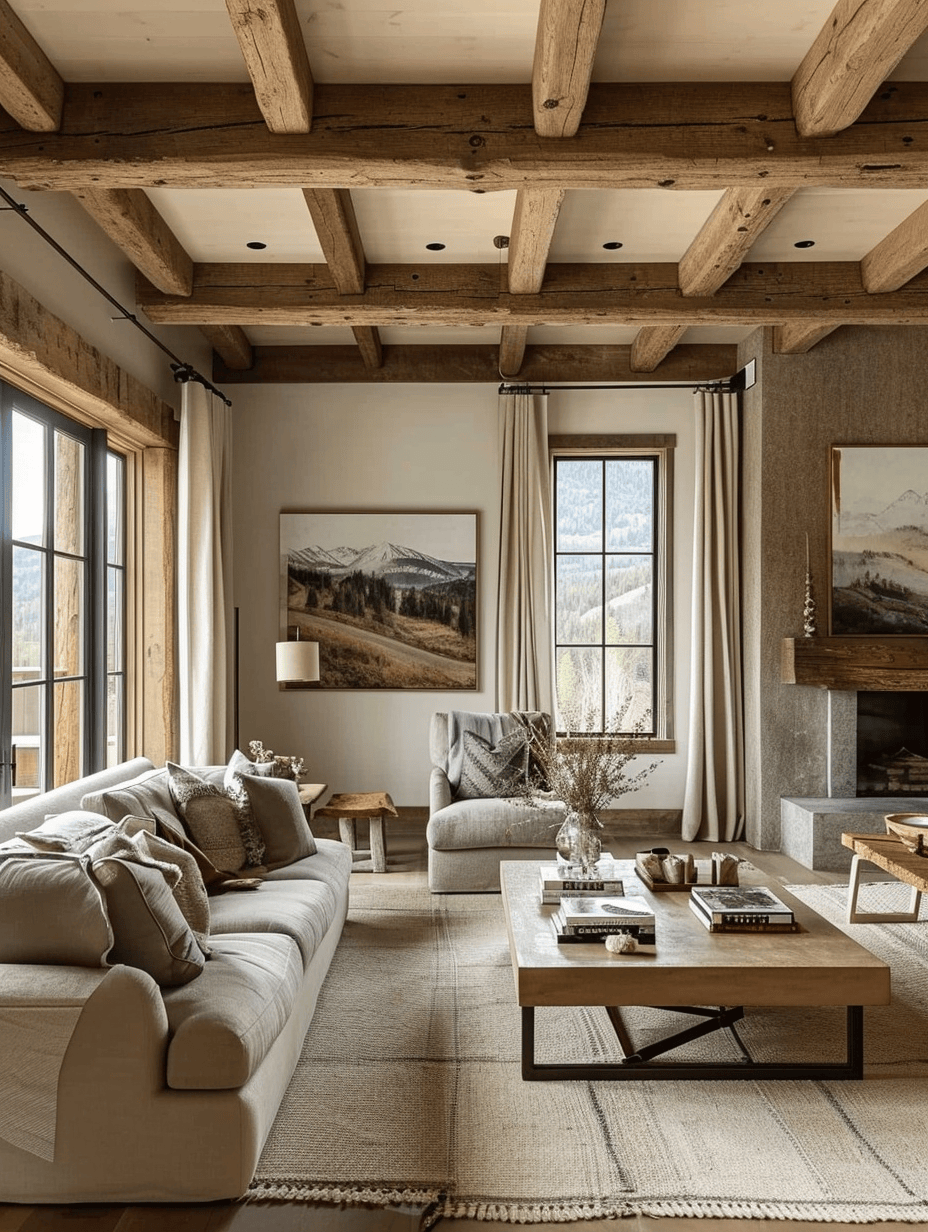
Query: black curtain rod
<point x="711" y="386"/>
<point x="182" y="372"/>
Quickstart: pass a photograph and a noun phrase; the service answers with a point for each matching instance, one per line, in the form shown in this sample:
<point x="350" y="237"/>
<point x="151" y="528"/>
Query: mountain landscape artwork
<point x="879" y="540"/>
<point x="391" y="598"/>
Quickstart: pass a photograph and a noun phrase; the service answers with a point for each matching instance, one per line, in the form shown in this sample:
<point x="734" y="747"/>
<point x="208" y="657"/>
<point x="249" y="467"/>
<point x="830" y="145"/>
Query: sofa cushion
<point x="210" y="815"/>
<point x="149" y="930"/>
<point x="331" y="863"/>
<point x="279" y="814"/>
<point x="467" y="824"/>
<point x="52" y="911"/>
<point x="303" y="910"/>
<point x="148" y="795"/>
<point x="223" y="1024"/>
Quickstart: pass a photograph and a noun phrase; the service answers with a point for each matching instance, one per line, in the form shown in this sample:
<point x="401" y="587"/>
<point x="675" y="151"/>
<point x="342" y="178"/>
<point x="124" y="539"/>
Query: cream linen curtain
<point x="524" y="670"/>
<point x="205" y="577"/>
<point x="713" y="806"/>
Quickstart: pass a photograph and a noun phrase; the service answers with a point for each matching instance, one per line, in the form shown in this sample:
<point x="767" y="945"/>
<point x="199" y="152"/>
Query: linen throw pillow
<point x="74" y="831"/>
<point x="211" y="817"/>
<point x="488" y="771"/>
<point x="189" y="890"/>
<point x="51" y="911"/>
<point x="280" y="817"/>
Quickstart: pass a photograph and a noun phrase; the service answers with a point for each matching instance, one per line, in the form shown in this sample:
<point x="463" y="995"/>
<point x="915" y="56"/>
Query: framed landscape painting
<point x="879" y="540"/>
<point x="391" y="598"/>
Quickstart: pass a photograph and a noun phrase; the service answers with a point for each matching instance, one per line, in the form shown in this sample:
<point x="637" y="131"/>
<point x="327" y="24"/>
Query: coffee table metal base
<point x="641" y="1065"/>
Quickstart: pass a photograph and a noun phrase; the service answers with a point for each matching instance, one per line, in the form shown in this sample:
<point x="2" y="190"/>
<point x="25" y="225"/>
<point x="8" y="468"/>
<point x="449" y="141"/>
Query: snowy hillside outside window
<point x="610" y="555"/>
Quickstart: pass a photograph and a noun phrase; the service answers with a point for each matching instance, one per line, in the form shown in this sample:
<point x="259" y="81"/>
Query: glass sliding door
<point x="57" y="613"/>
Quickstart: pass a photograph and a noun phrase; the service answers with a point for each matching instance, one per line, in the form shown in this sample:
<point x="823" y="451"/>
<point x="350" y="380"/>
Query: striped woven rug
<point x="409" y="1090"/>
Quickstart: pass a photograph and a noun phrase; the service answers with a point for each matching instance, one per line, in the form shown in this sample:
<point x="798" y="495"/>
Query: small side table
<point x="349" y="807"/>
<point x="889" y="853"/>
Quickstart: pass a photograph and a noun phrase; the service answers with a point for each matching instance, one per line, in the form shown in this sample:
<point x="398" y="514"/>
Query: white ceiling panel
<point x="396" y="225"/>
<point x="217" y="224"/>
<point x="844" y="223"/>
<point x="651" y="224"/>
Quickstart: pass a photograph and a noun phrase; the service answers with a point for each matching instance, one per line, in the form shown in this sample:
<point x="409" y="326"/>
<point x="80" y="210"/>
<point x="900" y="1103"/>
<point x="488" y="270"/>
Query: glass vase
<point x="579" y="841"/>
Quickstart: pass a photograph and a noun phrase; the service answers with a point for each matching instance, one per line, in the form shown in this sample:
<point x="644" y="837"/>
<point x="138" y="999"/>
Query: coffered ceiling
<point x="543" y="189"/>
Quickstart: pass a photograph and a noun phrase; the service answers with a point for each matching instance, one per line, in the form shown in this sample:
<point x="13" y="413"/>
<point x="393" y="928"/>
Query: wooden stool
<point x="349" y="807"/>
<point x="888" y="852"/>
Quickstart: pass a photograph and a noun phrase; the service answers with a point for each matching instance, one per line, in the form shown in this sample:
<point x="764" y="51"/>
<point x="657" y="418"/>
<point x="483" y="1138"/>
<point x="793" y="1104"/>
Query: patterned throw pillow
<point x="211" y="816"/>
<point x="489" y="772"/>
<point x="234" y="786"/>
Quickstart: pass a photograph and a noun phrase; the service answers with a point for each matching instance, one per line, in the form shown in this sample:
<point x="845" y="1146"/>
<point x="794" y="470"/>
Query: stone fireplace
<point x="877" y="741"/>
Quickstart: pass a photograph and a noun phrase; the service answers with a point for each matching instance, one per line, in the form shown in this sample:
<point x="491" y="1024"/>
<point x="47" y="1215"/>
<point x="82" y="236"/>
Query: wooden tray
<point x="665" y="887"/>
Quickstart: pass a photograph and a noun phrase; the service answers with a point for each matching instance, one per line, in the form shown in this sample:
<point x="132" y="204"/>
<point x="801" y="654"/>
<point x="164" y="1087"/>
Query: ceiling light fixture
<point x="256" y="244"/>
<point x="434" y="247"/>
<point x="612" y="245"/>
<point x="804" y="244"/>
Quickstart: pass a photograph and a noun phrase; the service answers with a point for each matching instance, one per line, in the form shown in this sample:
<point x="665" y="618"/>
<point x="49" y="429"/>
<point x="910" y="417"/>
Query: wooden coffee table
<point x="711" y="976"/>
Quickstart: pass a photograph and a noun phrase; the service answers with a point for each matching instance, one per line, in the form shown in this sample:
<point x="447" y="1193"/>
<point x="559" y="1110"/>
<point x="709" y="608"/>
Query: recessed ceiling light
<point x="256" y="244"/>
<point x="612" y="245"/>
<point x="434" y="247"/>
<point x="804" y="244"/>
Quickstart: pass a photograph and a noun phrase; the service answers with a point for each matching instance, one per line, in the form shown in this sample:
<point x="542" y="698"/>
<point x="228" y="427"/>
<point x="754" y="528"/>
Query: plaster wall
<point x="860" y="385"/>
<point x="430" y="447"/>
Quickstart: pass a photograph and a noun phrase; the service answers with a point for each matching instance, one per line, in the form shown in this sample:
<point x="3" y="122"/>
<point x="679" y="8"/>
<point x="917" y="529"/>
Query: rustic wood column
<point x="156" y="605"/>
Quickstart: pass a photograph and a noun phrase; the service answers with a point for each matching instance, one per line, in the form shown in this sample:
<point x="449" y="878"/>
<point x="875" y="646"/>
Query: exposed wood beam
<point x="725" y="239"/>
<point x="368" y="339"/>
<point x="826" y="293"/>
<point x="337" y="231"/>
<point x="856" y="50"/>
<point x="533" y="223"/>
<point x="30" y="88"/>
<point x="900" y="256"/>
<point x="689" y="136"/>
<point x="653" y="344"/>
<point x="799" y="337"/>
<point x="47" y="357"/>
<point x="134" y="225"/>
<point x="294" y="365"/>
<point x="512" y="342"/>
<point x="565" y="48"/>
<point x="230" y="342"/>
<point x="268" y="32"/>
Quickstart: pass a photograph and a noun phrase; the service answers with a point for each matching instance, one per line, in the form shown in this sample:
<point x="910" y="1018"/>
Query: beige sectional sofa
<point x="115" y="1088"/>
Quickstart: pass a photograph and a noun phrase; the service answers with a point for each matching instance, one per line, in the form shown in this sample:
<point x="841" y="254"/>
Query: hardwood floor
<point x="407" y="859"/>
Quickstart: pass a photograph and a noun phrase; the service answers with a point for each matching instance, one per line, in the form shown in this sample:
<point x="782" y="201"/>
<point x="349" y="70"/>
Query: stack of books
<point x="557" y="880"/>
<point x="741" y="909"/>
<point x="595" y="918"/>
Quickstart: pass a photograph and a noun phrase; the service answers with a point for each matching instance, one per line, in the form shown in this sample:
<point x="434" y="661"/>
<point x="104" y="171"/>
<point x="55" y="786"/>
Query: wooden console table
<point x="348" y="807"/>
<point x="889" y="853"/>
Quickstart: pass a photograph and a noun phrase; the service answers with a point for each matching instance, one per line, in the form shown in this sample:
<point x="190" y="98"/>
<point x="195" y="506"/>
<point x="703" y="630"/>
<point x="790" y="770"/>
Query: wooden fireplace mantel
<point x="869" y="664"/>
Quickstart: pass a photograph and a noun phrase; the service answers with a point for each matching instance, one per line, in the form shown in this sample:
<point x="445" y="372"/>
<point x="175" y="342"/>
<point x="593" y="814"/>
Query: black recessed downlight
<point x="804" y="244"/>
<point x="256" y="244"/>
<point x="612" y="245"/>
<point x="434" y="247"/>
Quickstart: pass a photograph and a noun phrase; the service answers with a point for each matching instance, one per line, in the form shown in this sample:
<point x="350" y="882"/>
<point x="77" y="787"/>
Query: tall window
<point x="610" y="577"/>
<point x="62" y="565"/>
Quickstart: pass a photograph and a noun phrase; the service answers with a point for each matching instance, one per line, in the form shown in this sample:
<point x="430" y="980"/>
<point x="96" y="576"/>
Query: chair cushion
<point x="467" y="824"/>
<point x="223" y="1024"/>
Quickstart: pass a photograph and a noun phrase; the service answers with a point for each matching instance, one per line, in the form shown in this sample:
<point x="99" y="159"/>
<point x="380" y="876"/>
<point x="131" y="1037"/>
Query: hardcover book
<point x="644" y="934"/>
<point x="556" y="881"/>
<point x="740" y="907"/>
<point x="593" y="912"/>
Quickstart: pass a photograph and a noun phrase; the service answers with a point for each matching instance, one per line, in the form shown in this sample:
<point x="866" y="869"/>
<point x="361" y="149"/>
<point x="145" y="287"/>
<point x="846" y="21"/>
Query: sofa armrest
<point x="439" y="790"/>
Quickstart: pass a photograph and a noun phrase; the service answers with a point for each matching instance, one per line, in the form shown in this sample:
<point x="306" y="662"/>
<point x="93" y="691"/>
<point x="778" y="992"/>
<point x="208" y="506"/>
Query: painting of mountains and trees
<point x="391" y="598"/>
<point x="879" y="540"/>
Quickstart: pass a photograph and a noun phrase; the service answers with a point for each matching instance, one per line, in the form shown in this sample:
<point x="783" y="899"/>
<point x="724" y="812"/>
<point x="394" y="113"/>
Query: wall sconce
<point x="297" y="662"/>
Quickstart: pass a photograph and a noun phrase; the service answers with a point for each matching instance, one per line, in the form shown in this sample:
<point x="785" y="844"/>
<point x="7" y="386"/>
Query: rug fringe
<point x="350" y="1195"/>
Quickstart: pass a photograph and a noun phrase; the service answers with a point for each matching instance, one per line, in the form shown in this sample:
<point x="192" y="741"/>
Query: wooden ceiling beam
<point x="725" y="239"/>
<point x="683" y="136"/>
<point x="369" y="345"/>
<point x="336" y="227"/>
<point x="533" y="223"/>
<point x="565" y="48"/>
<point x="899" y="256"/>
<point x="230" y="342"/>
<point x="442" y="364"/>
<point x="512" y="343"/>
<point x="653" y="344"/>
<point x="799" y="337"/>
<point x="134" y="225"/>
<point x="31" y="89"/>
<point x="829" y="293"/>
<point x="268" y="32"/>
<point x="856" y="50"/>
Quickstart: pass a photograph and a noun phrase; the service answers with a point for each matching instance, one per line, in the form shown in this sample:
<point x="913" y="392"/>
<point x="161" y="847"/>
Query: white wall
<point x="417" y="447"/>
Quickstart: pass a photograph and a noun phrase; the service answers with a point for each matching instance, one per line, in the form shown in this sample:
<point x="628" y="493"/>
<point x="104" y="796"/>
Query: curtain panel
<point x="205" y="616"/>
<point x="524" y="654"/>
<point x="713" y="806"/>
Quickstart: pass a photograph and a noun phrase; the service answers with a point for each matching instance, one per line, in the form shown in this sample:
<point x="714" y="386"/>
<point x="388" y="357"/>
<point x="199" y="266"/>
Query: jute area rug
<point x="409" y="1090"/>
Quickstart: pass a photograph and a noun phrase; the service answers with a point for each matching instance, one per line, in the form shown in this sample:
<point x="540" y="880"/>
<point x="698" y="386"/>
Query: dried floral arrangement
<point x="284" y="767"/>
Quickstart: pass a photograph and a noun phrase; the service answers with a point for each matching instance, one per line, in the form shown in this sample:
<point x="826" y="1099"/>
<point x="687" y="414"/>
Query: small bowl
<point x="911" y="829"/>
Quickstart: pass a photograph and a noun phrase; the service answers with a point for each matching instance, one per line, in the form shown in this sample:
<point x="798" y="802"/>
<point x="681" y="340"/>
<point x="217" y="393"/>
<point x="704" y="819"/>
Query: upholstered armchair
<point x="472" y="825"/>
